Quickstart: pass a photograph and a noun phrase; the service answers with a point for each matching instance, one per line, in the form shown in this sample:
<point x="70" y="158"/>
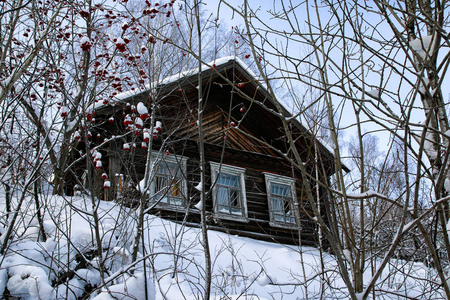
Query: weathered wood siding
<point x="255" y="142"/>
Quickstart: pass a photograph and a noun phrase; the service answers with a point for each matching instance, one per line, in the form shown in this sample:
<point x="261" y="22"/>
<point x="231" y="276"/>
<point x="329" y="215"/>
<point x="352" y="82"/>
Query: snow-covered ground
<point x="243" y="268"/>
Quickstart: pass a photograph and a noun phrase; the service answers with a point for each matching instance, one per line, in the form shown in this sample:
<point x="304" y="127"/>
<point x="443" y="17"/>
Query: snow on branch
<point x="368" y="194"/>
<point x="422" y="45"/>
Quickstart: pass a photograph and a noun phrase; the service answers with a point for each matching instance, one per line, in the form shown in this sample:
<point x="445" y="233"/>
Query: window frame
<point x="216" y="169"/>
<point x="181" y="162"/>
<point x="283" y="180"/>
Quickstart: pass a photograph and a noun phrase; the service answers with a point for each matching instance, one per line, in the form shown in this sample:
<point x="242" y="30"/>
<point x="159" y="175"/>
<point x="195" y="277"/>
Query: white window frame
<point x="217" y="168"/>
<point x="283" y="180"/>
<point x="181" y="161"/>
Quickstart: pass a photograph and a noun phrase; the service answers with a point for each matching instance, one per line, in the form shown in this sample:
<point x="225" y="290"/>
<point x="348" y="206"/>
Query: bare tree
<point x="385" y="63"/>
<point x="372" y="69"/>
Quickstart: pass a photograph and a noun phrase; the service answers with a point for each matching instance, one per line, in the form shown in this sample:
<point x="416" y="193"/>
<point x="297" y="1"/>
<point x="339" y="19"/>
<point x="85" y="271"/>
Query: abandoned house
<point x="250" y="185"/>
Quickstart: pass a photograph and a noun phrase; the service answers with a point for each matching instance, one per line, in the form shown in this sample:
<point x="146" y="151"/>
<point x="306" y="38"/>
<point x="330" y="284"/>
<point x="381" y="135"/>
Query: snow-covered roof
<point x="174" y="78"/>
<point x="177" y="77"/>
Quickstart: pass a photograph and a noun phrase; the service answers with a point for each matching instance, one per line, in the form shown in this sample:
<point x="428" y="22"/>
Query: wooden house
<point x="250" y="185"/>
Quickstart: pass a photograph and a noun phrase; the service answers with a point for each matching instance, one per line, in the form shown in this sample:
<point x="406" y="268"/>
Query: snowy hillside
<point x="65" y="266"/>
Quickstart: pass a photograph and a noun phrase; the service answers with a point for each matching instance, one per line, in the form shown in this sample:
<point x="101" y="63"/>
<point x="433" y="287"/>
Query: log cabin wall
<point x="238" y="132"/>
<point x="258" y="224"/>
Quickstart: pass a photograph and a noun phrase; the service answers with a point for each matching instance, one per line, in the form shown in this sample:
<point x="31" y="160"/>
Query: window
<point x="280" y="195"/>
<point x="168" y="184"/>
<point x="229" y="192"/>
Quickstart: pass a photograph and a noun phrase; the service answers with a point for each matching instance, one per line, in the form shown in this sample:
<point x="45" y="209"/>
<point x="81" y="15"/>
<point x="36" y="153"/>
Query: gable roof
<point x="233" y="70"/>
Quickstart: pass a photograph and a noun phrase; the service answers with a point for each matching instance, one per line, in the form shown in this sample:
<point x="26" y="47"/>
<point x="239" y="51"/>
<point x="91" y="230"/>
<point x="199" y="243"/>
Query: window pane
<point x="222" y="196"/>
<point x="168" y="183"/>
<point x="228" y="180"/>
<point x="277" y="204"/>
<point x="279" y="218"/>
<point x="168" y="168"/>
<point x="163" y="169"/>
<point x="161" y="183"/>
<point x="234" y="198"/>
<point x="176" y="201"/>
<point x="228" y="194"/>
<point x="287" y="207"/>
<point x="281" y="190"/>
<point x="236" y="211"/>
<point x="175" y="187"/>
<point x="281" y="198"/>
